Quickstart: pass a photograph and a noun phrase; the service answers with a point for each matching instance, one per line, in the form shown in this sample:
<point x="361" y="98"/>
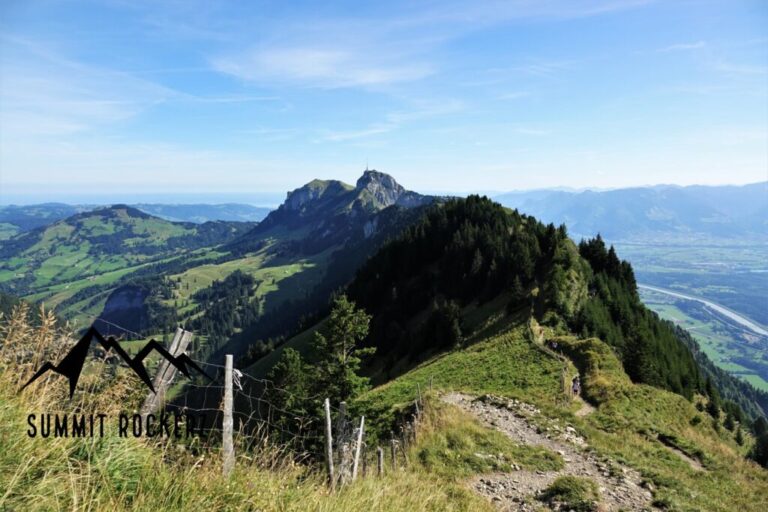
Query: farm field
<point x="729" y="273"/>
<point x="731" y="347"/>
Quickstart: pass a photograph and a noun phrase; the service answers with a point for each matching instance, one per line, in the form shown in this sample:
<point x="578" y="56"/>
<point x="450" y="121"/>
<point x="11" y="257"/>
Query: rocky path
<point x="585" y="408"/>
<point x="620" y="487"/>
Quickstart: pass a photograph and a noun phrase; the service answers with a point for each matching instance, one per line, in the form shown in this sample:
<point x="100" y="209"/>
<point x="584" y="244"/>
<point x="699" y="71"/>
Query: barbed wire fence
<point x="331" y="436"/>
<point x="251" y="418"/>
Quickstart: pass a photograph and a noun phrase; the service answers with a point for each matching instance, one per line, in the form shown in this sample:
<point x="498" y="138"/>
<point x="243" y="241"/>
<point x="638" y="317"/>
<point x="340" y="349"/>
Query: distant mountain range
<point x="727" y="211"/>
<point x="17" y="219"/>
<point x="647" y="212"/>
<point x="200" y="213"/>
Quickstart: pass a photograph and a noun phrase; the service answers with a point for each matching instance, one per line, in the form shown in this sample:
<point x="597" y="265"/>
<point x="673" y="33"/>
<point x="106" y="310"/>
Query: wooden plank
<point x="165" y="373"/>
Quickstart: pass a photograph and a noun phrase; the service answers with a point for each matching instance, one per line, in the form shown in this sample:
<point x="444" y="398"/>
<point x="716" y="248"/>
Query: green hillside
<point x="89" y="245"/>
<point x="81" y="264"/>
<point x="652" y="431"/>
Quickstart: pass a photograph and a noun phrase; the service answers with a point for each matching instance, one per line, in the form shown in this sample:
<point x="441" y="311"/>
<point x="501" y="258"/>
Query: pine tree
<point x="338" y="353"/>
<point x="759" y="452"/>
<point x="713" y="409"/>
<point x="739" y="436"/>
<point x="290" y="379"/>
<point x="477" y="263"/>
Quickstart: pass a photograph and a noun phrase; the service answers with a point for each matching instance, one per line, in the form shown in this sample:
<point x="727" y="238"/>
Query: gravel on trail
<point x="621" y="488"/>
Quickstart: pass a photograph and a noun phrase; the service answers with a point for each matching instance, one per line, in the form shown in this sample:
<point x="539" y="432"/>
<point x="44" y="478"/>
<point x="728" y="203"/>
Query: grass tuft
<point x="572" y="493"/>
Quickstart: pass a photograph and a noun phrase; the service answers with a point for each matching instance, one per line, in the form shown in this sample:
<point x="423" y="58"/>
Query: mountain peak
<point x="118" y="209"/>
<point x="383" y="187"/>
<point x="312" y="191"/>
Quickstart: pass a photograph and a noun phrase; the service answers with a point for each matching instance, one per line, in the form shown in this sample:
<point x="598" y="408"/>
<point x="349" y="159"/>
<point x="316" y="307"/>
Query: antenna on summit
<point x="366" y="164"/>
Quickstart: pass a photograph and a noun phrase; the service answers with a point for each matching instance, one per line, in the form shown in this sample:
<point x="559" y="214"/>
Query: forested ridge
<point x="224" y="308"/>
<point x="472" y="251"/>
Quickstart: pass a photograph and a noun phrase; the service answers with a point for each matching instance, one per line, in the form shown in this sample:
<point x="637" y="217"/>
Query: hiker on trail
<point x="576" y="386"/>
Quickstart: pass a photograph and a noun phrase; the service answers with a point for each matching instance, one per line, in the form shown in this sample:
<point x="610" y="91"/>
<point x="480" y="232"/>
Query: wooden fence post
<point x="393" y="451"/>
<point x="165" y="373"/>
<point x="357" y="448"/>
<point x="342" y="445"/>
<point x="227" y="423"/>
<point x="340" y="420"/>
<point x="329" y="444"/>
<point x="380" y="460"/>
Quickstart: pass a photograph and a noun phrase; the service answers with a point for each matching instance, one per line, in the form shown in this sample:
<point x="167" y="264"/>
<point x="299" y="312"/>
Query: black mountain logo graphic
<point x="72" y="364"/>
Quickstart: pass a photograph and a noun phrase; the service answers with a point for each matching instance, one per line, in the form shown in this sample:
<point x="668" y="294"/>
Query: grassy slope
<point x="69" y="271"/>
<point x="7" y="230"/>
<point x="301" y="342"/>
<point x="625" y="427"/>
<point x="121" y="474"/>
<point x="80" y="312"/>
<point x="272" y="274"/>
<point x="453" y="445"/>
<point x="127" y="474"/>
<point x="62" y="252"/>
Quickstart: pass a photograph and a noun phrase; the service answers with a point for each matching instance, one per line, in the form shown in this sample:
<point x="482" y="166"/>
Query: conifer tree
<point x="338" y="352"/>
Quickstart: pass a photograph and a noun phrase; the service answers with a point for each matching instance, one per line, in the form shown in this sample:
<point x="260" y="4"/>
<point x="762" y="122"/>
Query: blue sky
<point x="200" y="97"/>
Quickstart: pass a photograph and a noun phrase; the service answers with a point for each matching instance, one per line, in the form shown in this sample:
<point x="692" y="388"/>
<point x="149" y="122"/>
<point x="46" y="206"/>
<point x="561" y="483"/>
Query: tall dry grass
<point x="113" y="473"/>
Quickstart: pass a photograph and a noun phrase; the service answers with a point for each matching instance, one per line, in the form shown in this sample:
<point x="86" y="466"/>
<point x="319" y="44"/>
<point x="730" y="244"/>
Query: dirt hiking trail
<point x="621" y="487"/>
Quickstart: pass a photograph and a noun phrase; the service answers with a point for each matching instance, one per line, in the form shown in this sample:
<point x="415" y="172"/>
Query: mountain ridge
<point x="330" y="212"/>
<point x="727" y="211"/>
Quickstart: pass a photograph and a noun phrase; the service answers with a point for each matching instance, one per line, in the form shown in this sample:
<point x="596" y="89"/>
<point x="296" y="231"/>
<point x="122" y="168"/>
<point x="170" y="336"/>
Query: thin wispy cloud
<point x="426" y="109"/>
<point x="494" y="12"/>
<point x="740" y="69"/>
<point x="538" y="67"/>
<point x="272" y="134"/>
<point x="46" y="94"/>
<point x="394" y="120"/>
<point x="225" y="99"/>
<point x="681" y="47"/>
<point x="316" y="67"/>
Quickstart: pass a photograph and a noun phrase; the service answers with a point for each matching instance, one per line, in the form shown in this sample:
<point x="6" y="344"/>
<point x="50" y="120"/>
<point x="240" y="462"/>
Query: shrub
<point x="574" y="493"/>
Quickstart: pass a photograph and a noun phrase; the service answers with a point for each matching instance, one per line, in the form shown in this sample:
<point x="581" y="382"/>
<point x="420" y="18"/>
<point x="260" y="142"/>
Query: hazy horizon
<point x="274" y="199"/>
